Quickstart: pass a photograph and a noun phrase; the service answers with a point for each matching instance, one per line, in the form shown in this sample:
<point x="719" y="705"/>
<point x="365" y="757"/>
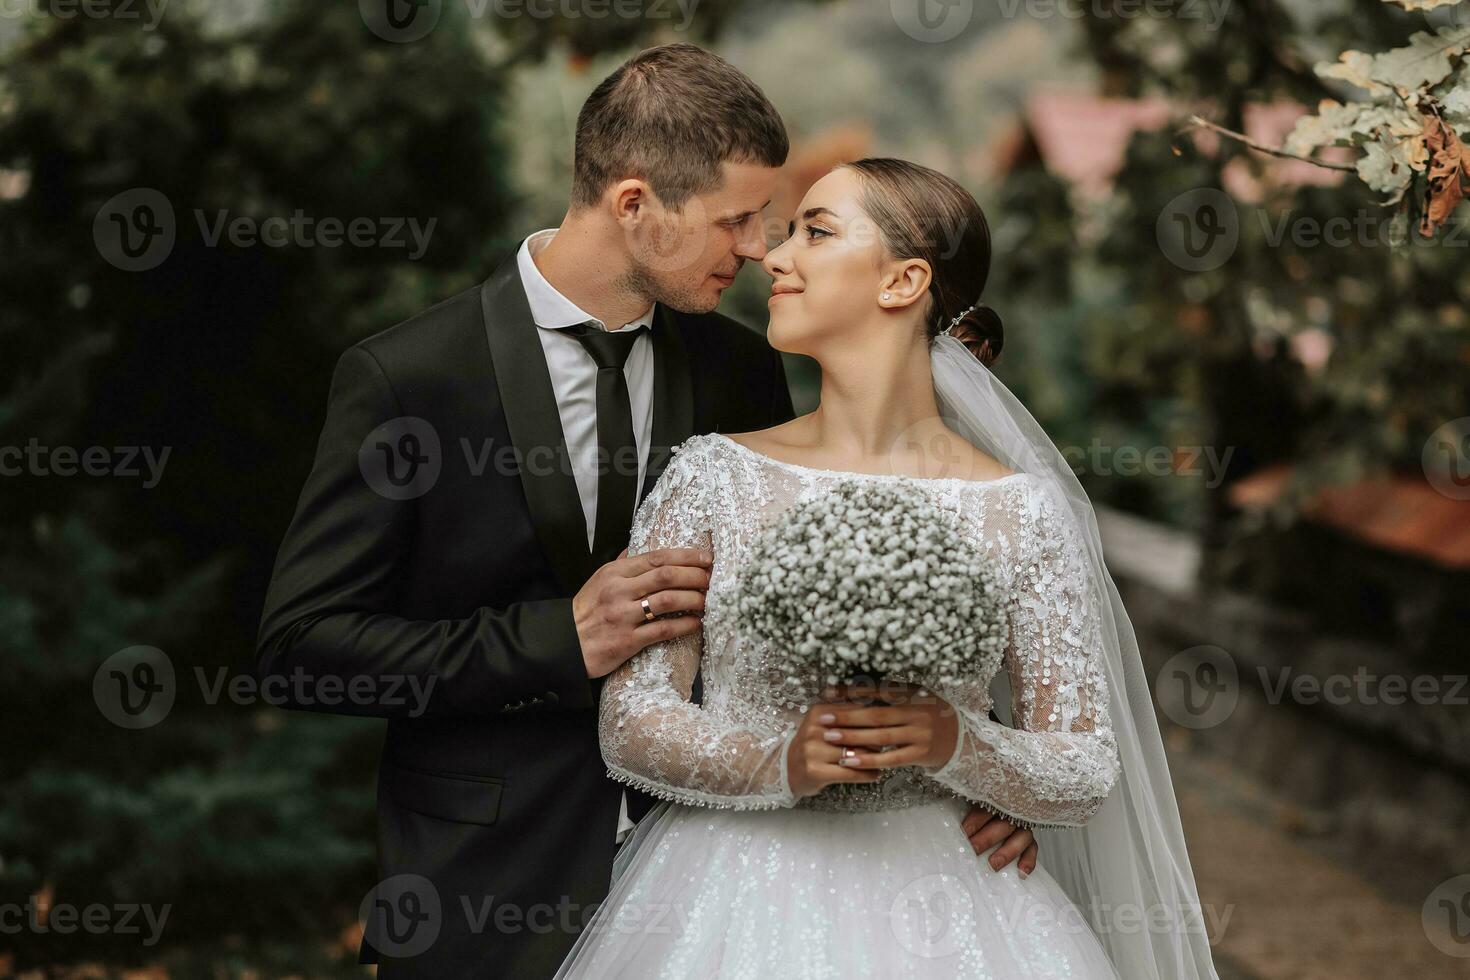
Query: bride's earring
<point x="886" y="296"/>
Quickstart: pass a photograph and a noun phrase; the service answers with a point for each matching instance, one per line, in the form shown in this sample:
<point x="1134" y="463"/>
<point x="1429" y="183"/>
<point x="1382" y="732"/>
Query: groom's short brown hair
<point x="671" y="115"/>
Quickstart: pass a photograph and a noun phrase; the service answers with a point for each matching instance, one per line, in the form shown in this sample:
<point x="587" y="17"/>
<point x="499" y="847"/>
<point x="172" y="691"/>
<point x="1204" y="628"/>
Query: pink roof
<point x="1083" y="138"/>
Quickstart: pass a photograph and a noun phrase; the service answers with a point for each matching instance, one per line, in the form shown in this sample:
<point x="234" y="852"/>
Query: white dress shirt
<point x="574" y="379"/>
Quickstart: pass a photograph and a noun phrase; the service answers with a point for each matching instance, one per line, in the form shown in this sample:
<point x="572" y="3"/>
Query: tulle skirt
<point x="771" y="894"/>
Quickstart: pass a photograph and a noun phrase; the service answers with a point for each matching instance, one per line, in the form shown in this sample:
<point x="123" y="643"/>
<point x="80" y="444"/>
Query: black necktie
<point x="617" y="447"/>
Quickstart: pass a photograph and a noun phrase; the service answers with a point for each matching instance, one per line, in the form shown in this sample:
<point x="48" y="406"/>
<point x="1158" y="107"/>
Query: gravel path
<point x="1291" y="911"/>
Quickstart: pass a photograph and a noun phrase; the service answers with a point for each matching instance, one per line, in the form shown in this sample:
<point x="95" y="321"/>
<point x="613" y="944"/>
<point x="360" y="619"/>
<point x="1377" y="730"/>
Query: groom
<point x="460" y="533"/>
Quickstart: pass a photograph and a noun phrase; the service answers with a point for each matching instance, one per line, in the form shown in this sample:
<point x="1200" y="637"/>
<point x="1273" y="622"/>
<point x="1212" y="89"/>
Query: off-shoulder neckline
<point x="797" y="467"/>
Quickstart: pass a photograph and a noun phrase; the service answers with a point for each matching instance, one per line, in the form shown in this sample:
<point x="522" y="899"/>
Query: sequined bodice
<point x="1054" y="768"/>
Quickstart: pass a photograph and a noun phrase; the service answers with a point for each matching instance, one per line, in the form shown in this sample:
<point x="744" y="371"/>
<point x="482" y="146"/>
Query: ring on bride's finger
<point x="648" y="615"/>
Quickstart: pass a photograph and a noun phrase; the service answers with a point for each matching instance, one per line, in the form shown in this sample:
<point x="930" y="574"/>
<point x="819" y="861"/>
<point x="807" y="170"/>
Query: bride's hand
<point x="919" y="726"/>
<point x="813" y="761"/>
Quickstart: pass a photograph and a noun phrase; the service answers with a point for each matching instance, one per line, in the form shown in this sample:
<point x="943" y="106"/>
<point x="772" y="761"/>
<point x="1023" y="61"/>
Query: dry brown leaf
<point x="1448" y="163"/>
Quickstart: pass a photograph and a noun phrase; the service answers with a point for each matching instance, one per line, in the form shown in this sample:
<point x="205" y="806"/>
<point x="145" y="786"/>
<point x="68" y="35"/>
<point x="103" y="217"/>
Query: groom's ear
<point x="630" y="200"/>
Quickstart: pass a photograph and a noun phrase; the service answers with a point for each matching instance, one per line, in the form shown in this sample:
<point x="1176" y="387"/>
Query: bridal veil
<point x="1126" y="869"/>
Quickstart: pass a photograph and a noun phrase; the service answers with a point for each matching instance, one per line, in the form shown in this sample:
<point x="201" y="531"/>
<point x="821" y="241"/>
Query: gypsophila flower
<point x="869" y="580"/>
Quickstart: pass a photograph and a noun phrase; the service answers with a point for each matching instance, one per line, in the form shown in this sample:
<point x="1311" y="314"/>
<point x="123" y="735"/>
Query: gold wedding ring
<point x="648" y="615"/>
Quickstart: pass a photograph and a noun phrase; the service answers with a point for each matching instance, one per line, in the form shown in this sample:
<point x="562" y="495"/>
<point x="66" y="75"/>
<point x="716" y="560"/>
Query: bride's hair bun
<point x="982" y="333"/>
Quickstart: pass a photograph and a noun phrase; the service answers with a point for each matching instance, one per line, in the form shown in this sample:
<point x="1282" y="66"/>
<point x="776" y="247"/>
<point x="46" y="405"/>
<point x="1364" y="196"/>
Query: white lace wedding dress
<point x="735" y="877"/>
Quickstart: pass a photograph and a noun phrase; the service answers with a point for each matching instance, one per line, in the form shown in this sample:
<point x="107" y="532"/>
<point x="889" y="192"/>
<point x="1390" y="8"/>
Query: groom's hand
<point x="611" y="622"/>
<point x="985" y="830"/>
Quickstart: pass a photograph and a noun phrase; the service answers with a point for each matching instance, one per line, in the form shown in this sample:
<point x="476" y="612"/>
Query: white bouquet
<point x="869" y="581"/>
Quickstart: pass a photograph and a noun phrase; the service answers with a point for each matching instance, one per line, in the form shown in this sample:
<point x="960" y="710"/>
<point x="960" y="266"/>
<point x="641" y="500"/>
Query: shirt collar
<point x="549" y="308"/>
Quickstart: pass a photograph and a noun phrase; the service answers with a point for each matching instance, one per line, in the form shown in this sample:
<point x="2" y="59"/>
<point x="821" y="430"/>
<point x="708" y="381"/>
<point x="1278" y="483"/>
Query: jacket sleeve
<point x="652" y="737"/>
<point x="329" y="610"/>
<point x="1059" y="763"/>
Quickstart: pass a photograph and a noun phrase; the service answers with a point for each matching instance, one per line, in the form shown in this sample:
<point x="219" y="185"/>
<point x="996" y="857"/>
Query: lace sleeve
<point x="652" y="736"/>
<point x="1059" y="763"/>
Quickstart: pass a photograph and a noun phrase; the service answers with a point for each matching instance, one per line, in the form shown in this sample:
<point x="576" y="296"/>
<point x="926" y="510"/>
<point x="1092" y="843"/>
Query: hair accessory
<point x="949" y="330"/>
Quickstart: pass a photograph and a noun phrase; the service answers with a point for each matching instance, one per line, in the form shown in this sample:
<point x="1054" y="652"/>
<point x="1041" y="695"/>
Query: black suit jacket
<point x="439" y="538"/>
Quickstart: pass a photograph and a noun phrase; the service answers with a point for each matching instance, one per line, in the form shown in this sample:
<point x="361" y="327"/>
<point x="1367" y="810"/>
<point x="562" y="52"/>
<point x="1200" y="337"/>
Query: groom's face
<point x="688" y="258"/>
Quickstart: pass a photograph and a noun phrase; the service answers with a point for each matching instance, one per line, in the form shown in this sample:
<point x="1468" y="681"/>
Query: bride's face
<point x="827" y="275"/>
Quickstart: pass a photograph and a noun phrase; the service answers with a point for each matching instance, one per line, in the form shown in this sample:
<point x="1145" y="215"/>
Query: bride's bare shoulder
<point x="944" y="454"/>
<point x="984" y="469"/>
<point x="763" y="441"/>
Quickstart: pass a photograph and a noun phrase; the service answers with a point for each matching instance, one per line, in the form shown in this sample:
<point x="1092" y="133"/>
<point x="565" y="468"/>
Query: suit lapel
<point x="673" y="395"/>
<point x="529" y="402"/>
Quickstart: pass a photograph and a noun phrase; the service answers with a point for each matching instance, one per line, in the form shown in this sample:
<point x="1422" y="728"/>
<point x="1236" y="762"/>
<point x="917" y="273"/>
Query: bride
<point x="827" y="843"/>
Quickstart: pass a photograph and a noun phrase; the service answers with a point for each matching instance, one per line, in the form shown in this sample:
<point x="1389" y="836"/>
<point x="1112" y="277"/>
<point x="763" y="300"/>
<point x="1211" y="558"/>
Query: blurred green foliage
<point x="1176" y="358"/>
<point x="255" y="826"/>
<point x="252" y="824"/>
